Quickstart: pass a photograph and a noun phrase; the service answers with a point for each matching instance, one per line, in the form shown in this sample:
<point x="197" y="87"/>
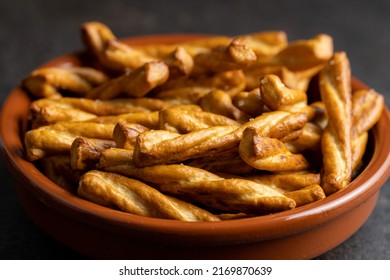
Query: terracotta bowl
<point x="102" y="233"/>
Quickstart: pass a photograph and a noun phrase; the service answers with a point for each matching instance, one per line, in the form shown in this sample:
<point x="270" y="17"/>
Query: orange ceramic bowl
<point x="102" y="233"/>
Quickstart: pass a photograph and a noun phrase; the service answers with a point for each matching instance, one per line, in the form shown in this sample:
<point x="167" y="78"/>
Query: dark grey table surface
<point x="33" y="32"/>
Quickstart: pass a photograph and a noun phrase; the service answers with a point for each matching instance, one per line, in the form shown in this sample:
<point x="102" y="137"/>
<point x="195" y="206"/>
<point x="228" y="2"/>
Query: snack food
<point x="187" y="125"/>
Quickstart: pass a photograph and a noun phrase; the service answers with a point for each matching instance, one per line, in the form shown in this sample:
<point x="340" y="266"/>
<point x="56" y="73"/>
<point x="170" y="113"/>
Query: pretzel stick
<point x="135" y="197"/>
<point x="367" y="108"/>
<point x="157" y="147"/>
<point x="306" y="195"/>
<point x="178" y="119"/>
<point x="277" y="96"/>
<point x="335" y="88"/>
<point x="136" y="83"/>
<point x="58" y="138"/>
<point x="51" y="82"/>
<point x="85" y="153"/>
<point x="269" y="154"/>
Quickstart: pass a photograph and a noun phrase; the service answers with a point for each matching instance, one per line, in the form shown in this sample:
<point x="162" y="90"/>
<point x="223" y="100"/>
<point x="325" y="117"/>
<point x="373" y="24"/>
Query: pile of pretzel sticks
<point x="206" y="130"/>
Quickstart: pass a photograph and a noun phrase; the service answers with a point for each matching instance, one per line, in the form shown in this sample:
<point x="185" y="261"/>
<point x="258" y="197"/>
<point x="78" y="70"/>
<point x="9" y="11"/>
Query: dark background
<point x="33" y="32"/>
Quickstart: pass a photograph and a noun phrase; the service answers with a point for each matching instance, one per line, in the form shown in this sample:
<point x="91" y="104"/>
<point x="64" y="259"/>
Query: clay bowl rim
<point x="252" y="229"/>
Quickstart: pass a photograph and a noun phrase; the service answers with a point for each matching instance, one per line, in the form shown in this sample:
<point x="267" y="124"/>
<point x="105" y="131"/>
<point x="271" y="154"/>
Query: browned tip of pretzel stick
<point x="54" y="82"/>
<point x="335" y="88"/>
<point x="57" y="138"/>
<point x="135" y="197"/>
<point x="249" y="102"/>
<point x="136" y="83"/>
<point x="110" y="53"/>
<point x="269" y="154"/>
<point x="226" y="58"/>
<point x="306" y="195"/>
<point x="277" y="96"/>
<point x="125" y="135"/>
<point x="220" y="102"/>
<point x="304" y="54"/>
<point x="85" y="153"/>
<point x="268" y="43"/>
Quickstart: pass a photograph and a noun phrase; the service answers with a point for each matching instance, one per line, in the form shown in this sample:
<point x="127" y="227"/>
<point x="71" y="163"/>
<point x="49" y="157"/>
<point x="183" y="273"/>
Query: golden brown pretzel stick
<point x="306" y="195"/>
<point x="191" y="89"/>
<point x="287" y="182"/>
<point x="157" y="147"/>
<point x="135" y="197"/>
<point x="85" y="153"/>
<point x="367" y="108"/>
<point x="125" y="135"/>
<point x="149" y="120"/>
<point x="57" y="138"/>
<point x="219" y="102"/>
<point x="335" y="88"/>
<point x="136" y="83"/>
<point x="58" y="169"/>
<point x="49" y="113"/>
<point x="180" y="179"/>
<point x="277" y="96"/>
<point x="51" y="82"/>
<point x="266" y="43"/>
<point x="232" y="195"/>
<point x="46" y="111"/>
<point x="249" y="102"/>
<point x="104" y="108"/>
<point x="303" y="54"/>
<point x="176" y="119"/>
<point x="310" y="139"/>
<point x="111" y="54"/>
<point x="231" y="163"/>
<point x="226" y="58"/>
<point x="121" y="161"/>
<point x="269" y="154"/>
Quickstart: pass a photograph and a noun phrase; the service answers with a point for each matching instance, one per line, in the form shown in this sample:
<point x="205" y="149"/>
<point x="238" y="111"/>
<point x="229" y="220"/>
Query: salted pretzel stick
<point x="136" y="83"/>
<point x="51" y="82"/>
<point x="58" y="138"/>
<point x="157" y="147"/>
<point x="269" y="154"/>
<point x="135" y="197"/>
<point x="85" y="153"/>
<point x="277" y="96"/>
<point x="335" y="88"/>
